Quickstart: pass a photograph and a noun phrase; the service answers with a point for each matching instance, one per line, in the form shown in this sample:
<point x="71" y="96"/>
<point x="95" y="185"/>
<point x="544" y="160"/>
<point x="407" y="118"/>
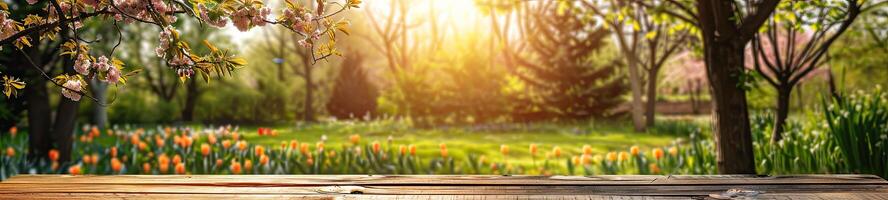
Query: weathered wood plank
<point x="440" y="187"/>
<point x="829" y="196"/>
<point x="326" y="180"/>
<point x="671" y="190"/>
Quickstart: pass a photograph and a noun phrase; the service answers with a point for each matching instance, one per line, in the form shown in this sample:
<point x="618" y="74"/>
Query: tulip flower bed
<point x="230" y="150"/>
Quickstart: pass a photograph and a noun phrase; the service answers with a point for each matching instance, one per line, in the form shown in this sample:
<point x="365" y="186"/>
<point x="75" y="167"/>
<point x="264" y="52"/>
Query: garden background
<point x="461" y="87"/>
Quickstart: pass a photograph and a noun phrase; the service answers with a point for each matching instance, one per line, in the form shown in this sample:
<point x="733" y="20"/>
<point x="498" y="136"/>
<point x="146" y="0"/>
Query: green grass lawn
<point x="465" y="140"/>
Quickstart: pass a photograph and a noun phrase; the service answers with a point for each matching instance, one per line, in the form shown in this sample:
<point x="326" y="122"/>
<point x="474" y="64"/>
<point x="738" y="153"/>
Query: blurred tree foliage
<point x="353" y="96"/>
<point x="564" y="80"/>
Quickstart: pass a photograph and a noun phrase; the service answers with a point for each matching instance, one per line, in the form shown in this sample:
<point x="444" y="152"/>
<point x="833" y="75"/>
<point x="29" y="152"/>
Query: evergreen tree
<point x="353" y="95"/>
<point x="555" y="60"/>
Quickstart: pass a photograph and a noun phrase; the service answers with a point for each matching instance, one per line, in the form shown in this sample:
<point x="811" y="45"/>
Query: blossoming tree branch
<point x="61" y="20"/>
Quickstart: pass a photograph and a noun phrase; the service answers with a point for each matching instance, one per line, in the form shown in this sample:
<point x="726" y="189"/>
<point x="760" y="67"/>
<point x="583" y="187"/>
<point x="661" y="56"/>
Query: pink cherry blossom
<point x="72" y="90"/>
<point x="113" y="75"/>
<point x="82" y="64"/>
<point x="102" y="64"/>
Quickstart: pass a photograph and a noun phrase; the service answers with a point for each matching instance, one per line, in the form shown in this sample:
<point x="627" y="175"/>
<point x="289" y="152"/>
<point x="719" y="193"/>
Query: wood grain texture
<point x="438" y="187"/>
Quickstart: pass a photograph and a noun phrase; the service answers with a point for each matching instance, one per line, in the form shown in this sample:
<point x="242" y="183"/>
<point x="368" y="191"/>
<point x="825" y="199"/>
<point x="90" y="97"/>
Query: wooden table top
<point x="443" y="187"/>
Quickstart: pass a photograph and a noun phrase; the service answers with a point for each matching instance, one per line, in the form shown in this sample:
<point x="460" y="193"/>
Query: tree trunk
<point x="66" y="117"/>
<point x="190" y="101"/>
<point x="100" y="112"/>
<point x="637" y="108"/>
<point x="651" y="108"/>
<point x="783" y="94"/>
<point x="730" y="118"/>
<point x="309" y="95"/>
<point x="695" y="99"/>
<point x="38" y="119"/>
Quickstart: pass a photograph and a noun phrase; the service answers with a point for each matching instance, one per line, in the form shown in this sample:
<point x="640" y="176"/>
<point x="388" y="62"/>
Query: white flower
<point x="72" y="89"/>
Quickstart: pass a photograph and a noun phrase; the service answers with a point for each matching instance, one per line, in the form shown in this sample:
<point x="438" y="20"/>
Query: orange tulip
<point x="587" y="150"/>
<point x="86" y="159"/>
<point x="263" y="160"/>
<point x="494" y="167"/>
<point x="259" y="150"/>
<point x="634" y="150"/>
<point x="13" y="131"/>
<point x="159" y="141"/>
<point x="248" y="165"/>
<point x="187" y="141"/>
<point x="442" y="146"/>
<point x="226" y="144"/>
<point x="576" y="160"/>
<point x="611" y="156"/>
<point x="180" y="168"/>
<point x="654" y="168"/>
<point x="163" y="163"/>
<point x="412" y="150"/>
<point x="376" y="147"/>
<point x="586" y="159"/>
<point x="134" y="139"/>
<point x="242" y="145"/>
<point x="444" y="152"/>
<point x="143" y="146"/>
<point x="355" y="139"/>
<point x="309" y="161"/>
<point x="94" y="132"/>
<point x="116" y="165"/>
<point x="658" y="153"/>
<point x="177" y="140"/>
<point x="624" y="156"/>
<point x="211" y="138"/>
<point x="54" y="155"/>
<point x="218" y="162"/>
<point x="235" y="167"/>
<point x="205" y="150"/>
<point x="304" y="149"/>
<point x="113" y="152"/>
<point x="10" y="152"/>
<point x="235" y="136"/>
<point x="673" y="151"/>
<point x="403" y="149"/>
<point x="504" y="149"/>
<point x="146" y="167"/>
<point x="533" y="149"/>
<point x="556" y="151"/>
<point x="319" y="146"/>
<point x="294" y="144"/>
<point x="177" y="159"/>
<point x="74" y="170"/>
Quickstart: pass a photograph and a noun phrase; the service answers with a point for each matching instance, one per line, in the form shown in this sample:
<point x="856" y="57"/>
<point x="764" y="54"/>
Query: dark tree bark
<point x="38" y="119"/>
<point x="65" y="119"/>
<point x="730" y="117"/>
<point x="724" y="42"/>
<point x="309" y="93"/>
<point x="783" y="95"/>
<point x="190" y="100"/>
<point x="651" y="106"/>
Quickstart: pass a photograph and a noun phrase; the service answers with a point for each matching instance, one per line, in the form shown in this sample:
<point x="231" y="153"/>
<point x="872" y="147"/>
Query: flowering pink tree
<point x="64" y="18"/>
<point x="793" y="43"/>
<point x="25" y="23"/>
<point x="688" y="76"/>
